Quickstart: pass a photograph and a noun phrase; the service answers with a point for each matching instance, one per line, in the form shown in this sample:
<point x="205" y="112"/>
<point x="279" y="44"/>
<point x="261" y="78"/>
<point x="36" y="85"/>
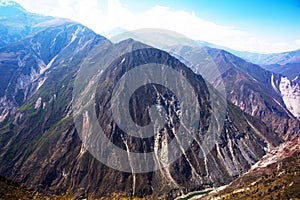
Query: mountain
<point x="273" y="177"/>
<point x="40" y="143"/>
<point x="286" y="63"/>
<point x="258" y="92"/>
<point x="211" y="63"/>
<point x="290" y="70"/>
<point x="12" y="190"/>
<point x="23" y="63"/>
<point x="16" y="23"/>
<point x="260" y="58"/>
<point x="51" y="157"/>
<point x="269" y="59"/>
<point x="61" y="78"/>
<point x="113" y="32"/>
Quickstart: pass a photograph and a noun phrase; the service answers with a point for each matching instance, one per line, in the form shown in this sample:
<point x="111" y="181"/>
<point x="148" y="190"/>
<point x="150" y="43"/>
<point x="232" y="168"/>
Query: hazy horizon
<point x="255" y="26"/>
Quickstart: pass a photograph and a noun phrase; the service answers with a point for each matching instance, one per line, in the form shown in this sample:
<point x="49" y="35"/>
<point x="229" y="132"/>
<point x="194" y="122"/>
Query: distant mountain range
<point x="260" y="58"/>
<point x="252" y="88"/>
<point x="286" y="63"/>
<point x="275" y="58"/>
<point x="40" y="143"/>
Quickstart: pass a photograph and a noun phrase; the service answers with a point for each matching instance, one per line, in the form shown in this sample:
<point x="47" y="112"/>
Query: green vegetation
<point x="10" y="190"/>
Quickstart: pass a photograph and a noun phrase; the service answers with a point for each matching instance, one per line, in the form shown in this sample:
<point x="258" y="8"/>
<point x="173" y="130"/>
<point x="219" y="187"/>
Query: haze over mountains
<point x="40" y="145"/>
<point x="285" y="63"/>
<point x="256" y="91"/>
<point x="260" y="58"/>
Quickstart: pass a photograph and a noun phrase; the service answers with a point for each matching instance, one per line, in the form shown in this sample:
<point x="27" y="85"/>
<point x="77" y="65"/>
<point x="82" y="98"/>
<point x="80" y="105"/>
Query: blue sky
<point x="276" y="19"/>
<point x="258" y="25"/>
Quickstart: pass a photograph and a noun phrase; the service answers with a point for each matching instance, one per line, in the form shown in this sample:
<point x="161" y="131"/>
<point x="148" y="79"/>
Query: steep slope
<point x="11" y="190"/>
<point x="16" y="23"/>
<point x="275" y="176"/>
<point x="286" y="64"/>
<point x="24" y="64"/>
<point x="290" y="70"/>
<point x="42" y="133"/>
<point x="40" y="145"/>
<point x="290" y="92"/>
<point x="253" y="89"/>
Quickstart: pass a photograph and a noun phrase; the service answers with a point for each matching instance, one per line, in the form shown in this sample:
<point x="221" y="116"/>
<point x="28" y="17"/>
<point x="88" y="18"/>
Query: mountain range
<point x="285" y="63"/>
<point x="260" y="58"/>
<point x="255" y="90"/>
<point x="42" y="146"/>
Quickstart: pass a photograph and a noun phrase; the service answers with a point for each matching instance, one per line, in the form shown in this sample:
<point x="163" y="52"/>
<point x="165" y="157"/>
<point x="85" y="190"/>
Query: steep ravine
<point x="42" y="149"/>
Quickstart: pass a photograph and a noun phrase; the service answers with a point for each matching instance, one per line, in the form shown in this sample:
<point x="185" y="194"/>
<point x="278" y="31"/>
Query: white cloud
<point x="87" y="12"/>
<point x="102" y="18"/>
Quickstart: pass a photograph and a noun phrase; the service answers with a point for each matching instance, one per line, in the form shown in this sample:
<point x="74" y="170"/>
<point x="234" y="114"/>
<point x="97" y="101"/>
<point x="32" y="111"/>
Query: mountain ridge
<point x="262" y="59"/>
<point x="252" y="88"/>
<point x="40" y="143"/>
<point x="56" y="129"/>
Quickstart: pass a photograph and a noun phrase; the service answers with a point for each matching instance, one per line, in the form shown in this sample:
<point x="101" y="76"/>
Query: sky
<point x="264" y="26"/>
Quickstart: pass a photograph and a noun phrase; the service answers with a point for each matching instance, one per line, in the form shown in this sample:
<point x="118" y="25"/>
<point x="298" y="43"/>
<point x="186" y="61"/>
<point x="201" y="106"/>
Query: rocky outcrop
<point x="253" y="89"/>
<point x="42" y="148"/>
<point x="276" y="175"/>
<point x="24" y="65"/>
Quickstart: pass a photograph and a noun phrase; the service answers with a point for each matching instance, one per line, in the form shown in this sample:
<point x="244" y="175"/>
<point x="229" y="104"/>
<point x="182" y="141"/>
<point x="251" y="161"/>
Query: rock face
<point x="16" y="23"/>
<point x="50" y="155"/>
<point x="41" y="147"/>
<point x="23" y="64"/>
<point x="290" y="70"/>
<point x="290" y="92"/>
<point x="255" y="90"/>
<point x="276" y="175"/>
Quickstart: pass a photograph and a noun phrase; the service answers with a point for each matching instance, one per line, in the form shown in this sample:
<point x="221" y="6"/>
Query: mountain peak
<point x="8" y="3"/>
<point x="9" y="8"/>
